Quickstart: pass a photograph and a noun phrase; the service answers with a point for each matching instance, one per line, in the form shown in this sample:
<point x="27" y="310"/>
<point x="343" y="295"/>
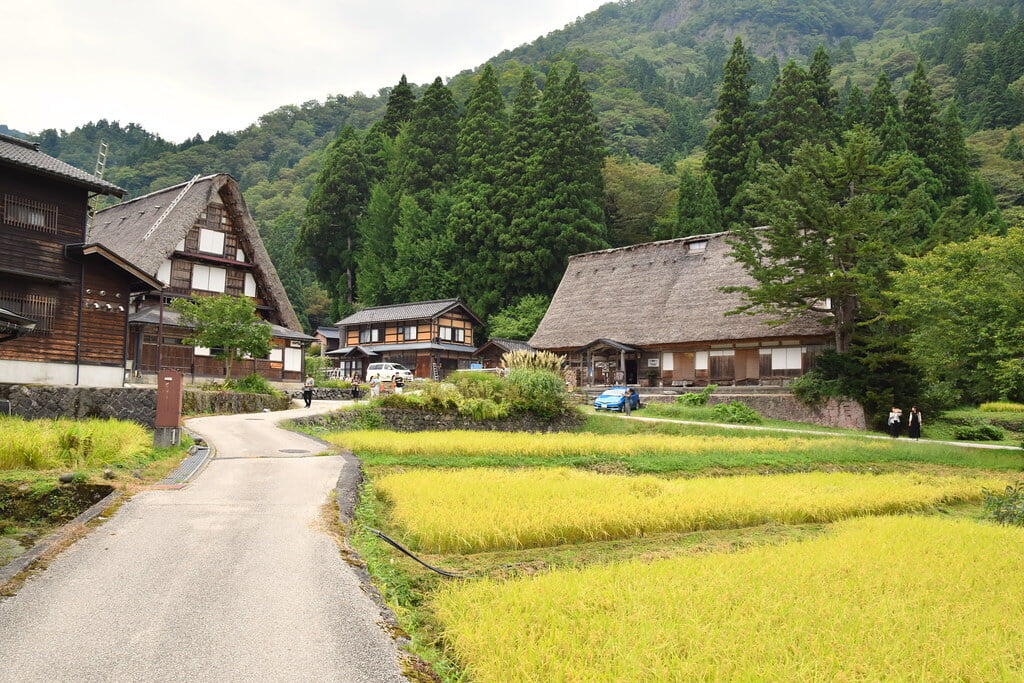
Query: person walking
<point x="894" y="422"/>
<point x="914" y="423"/>
<point x="307" y="390"/>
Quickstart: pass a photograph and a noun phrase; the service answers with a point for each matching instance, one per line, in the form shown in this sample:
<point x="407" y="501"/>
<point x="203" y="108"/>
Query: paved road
<point x="227" y="579"/>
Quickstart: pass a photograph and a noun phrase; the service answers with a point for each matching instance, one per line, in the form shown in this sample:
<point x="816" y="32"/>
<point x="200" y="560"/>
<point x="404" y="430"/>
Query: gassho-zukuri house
<point x="654" y="314"/>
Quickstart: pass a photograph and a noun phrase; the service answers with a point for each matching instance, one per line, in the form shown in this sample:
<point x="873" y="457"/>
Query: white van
<point x="387" y="371"/>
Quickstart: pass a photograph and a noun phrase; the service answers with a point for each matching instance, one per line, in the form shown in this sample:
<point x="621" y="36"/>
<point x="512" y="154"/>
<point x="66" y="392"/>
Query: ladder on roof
<point x="170" y="207"/>
<point x="101" y="166"/>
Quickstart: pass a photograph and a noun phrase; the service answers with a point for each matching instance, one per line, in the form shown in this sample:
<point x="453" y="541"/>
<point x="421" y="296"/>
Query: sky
<point x="181" y="67"/>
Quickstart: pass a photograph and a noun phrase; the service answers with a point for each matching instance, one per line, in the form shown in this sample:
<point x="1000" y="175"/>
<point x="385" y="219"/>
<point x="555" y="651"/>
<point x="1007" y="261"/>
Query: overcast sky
<point x="181" y="67"/>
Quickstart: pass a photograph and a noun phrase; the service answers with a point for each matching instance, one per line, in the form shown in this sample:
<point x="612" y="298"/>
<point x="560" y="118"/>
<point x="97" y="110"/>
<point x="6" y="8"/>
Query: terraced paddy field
<point x="678" y="554"/>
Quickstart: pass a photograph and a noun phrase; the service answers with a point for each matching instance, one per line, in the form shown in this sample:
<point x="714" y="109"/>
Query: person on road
<point x="914" y="423"/>
<point x="307" y="390"/>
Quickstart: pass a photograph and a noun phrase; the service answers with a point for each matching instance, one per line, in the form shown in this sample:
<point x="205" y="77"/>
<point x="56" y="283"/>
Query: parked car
<point x="388" y="371"/>
<point x="614" y="398"/>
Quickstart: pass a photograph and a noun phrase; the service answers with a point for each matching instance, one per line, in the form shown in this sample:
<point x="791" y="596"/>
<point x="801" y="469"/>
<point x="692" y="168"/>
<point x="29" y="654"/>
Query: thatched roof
<point x="657" y="293"/>
<point x="127" y="229"/>
<point x="26" y="156"/>
<point x="416" y="310"/>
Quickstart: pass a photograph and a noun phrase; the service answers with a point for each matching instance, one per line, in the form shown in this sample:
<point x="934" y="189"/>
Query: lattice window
<point x="27" y="213"/>
<point x="38" y="307"/>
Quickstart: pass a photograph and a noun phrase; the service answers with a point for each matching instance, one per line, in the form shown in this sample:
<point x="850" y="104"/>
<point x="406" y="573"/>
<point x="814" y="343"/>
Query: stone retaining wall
<point x="325" y="394"/>
<point x="137" y="404"/>
<point x="833" y="413"/>
<point x="424" y="420"/>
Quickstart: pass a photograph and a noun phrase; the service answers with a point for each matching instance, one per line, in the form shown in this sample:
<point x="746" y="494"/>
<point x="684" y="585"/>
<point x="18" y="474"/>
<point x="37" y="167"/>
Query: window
<point x="211" y="241"/>
<point x="293" y="360"/>
<point x="240" y="255"/>
<point x="369" y="336"/>
<point x="208" y="278"/>
<point x="788" y="360"/>
<point x="275" y="355"/>
<point x="699" y="245"/>
<point x="180" y="246"/>
<point x="667" y="362"/>
<point x="700" y="361"/>
<point x="202" y="351"/>
<point x="407" y="333"/>
<point x="27" y="213"/>
<point x="250" y="285"/>
<point x="455" y="334"/>
<point x="38" y="307"/>
<point x="163" y="274"/>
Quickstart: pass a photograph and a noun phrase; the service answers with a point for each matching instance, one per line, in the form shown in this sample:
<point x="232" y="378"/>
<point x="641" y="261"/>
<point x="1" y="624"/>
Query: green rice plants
<point x="696" y="399"/>
<point x="736" y="412"/>
<point x="1006" y="507"/>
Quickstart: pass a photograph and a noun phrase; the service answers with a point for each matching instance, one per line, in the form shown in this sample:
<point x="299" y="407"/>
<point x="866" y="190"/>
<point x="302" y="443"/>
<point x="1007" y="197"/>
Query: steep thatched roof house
<point x="655" y="312"/>
<point x="199" y="239"/>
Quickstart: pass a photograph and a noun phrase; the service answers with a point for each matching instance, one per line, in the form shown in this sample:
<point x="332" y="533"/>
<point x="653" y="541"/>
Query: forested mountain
<point x="652" y="70"/>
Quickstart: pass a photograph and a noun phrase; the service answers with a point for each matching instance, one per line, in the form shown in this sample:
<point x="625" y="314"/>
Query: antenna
<point x="101" y="166"/>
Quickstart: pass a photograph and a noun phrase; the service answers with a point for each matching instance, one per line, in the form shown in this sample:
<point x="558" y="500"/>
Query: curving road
<point x="228" y="579"/>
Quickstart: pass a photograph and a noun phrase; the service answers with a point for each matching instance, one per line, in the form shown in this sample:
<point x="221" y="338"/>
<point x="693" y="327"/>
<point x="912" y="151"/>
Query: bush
<point x="736" y="412"/>
<point x="483" y="409"/>
<point x="483" y="385"/>
<point x="252" y="384"/>
<point x="1006" y="507"/>
<point x="439" y="396"/>
<point x="540" y="392"/>
<point x="369" y="418"/>
<point x="1002" y="407"/>
<point x="698" y="399"/>
<point x="979" y="432"/>
<point x="814" y="389"/>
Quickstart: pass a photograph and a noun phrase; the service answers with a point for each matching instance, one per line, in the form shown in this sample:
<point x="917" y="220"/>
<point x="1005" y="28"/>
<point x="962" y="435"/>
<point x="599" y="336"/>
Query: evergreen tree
<point x="399" y="109"/>
<point x="825" y="95"/>
<point x="728" y="143"/>
<point x="425" y="158"/>
<point x="920" y="123"/>
<point x="475" y="222"/>
<point x="880" y="102"/>
<point x="891" y="136"/>
<point x="522" y="144"/>
<point x="329" y="232"/>
<point x="1000" y="108"/>
<point x="952" y="150"/>
<point x="856" y="109"/>
<point x="1013" y="150"/>
<point x="697" y="211"/>
<point x="792" y="116"/>
<point x="424" y="265"/>
<point x="377" y="246"/>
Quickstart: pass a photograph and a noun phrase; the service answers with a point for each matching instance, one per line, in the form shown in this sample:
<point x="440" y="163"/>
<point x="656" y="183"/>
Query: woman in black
<point x="914" y="424"/>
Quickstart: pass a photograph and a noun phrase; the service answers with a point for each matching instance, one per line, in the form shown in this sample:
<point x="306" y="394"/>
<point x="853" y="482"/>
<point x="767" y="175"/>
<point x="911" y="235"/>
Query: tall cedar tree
<point x="475" y="221"/>
<point x="376" y="255"/>
<point x="792" y="116"/>
<point x="697" y="211"/>
<point x="856" y="109"/>
<point x="522" y="144"/>
<point x="329" y="233"/>
<point x="425" y="160"/>
<point x="559" y="209"/>
<point x="920" y="122"/>
<point x="729" y="142"/>
<point x="881" y="101"/>
<point x="827" y="247"/>
<point x="425" y="263"/>
<point x="401" y="102"/>
<point x="825" y="94"/>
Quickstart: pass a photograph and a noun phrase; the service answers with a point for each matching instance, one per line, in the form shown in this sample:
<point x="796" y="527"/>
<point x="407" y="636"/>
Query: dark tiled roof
<point x="329" y="332"/>
<point x="508" y="344"/>
<point x="658" y="293"/>
<point x="26" y="155"/>
<point x="412" y="311"/>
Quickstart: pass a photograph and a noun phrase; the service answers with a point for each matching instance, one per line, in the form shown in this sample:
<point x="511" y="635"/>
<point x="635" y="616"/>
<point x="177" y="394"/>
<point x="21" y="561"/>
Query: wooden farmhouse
<point x="655" y="314"/>
<point x="64" y="300"/>
<point x="199" y="239"/>
<point x="489" y="355"/>
<point x="431" y="338"/>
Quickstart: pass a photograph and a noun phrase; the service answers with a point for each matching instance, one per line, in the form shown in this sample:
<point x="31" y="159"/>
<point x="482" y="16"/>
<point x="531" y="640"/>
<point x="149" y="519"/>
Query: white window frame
<point x="452" y="334"/>
<point x="292" y="359"/>
<point x="667" y="361"/>
<point x="700" y="360"/>
<point x="408" y="332"/>
<point x="249" y="288"/>
<point x="787" y="358"/>
<point x="370" y="335"/>
<point x="208" y="278"/>
<point x="211" y="241"/>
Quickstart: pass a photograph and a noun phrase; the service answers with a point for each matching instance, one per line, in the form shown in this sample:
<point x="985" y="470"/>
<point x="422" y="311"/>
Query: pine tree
<point x="424" y="265"/>
<point x="329" y="233"/>
<point x="377" y="246"/>
<point x="1013" y="150"/>
<point x="856" y="109"/>
<point x="952" y="150"/>
<point x="522" y="144"/>
<point x="426" y="156"/>
<point x="728" y="142"/>
<point x="891" y="136"/>
<point x="826" y="95"/>
<point x="880" y="101"/>
<point x="920" y="123"/>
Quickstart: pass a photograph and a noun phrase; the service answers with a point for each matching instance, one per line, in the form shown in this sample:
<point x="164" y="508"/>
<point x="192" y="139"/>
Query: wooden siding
<point x="104" y="329"/>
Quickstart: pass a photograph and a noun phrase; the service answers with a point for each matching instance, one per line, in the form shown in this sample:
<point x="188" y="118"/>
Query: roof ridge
<point x="658" y="243"/>
<point x="160" y="191"/>
<point x="408" y="303"/>
<point x="27" y="144"/>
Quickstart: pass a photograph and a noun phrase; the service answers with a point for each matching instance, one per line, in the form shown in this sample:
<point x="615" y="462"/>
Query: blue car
<point x="614" y="398"/>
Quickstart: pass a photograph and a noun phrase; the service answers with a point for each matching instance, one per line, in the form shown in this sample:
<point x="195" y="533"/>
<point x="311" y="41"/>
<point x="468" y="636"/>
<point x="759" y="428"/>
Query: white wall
<point x="26" y="372"/>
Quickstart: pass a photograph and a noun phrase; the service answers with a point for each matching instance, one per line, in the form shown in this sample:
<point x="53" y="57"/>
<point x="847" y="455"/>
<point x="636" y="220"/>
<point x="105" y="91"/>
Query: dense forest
<point x="646" y="119"/>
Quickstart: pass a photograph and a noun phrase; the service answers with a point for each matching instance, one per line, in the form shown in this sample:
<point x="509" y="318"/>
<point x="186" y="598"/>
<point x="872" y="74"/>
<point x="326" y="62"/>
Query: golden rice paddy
<point x="472" y="510"/>
<point x="880" y="598"/>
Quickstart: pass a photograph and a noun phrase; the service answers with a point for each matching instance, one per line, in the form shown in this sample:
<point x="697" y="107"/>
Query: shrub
<point x="483" y="409"/>
<point x="252" y="384"/>
<point x="698" y="399"/>
<point x="736" y="412"/>
<point x="439" y="396"/>
<point x="1002" y="407"/>
<point x="1006" y="507"/>
<point x="979" y="432"/>
<point x="540" y="392"/>
<point x="483" y="385"/>
<point x="369" y="418"/>
<point x="814" y="389"/>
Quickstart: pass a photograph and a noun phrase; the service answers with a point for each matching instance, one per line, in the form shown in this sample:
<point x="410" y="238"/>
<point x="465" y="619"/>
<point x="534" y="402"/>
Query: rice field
<point x="473" y="510"/>
<point x="49" y="444"/>
<point x="879" y="598"/>
<point x="649" y="452"/>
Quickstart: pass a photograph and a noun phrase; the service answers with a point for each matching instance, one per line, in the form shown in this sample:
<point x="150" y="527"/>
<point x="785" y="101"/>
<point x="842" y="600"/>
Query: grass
<point x="652" y="452"/>
<point x="50" y="444"/>
<point x="876" y="598"/>
<point x="474" y="510"/>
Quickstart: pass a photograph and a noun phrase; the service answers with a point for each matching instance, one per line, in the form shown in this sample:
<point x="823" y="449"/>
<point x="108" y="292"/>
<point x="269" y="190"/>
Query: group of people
<point x="395" y="386"/>
<point x="895" y="422"/>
